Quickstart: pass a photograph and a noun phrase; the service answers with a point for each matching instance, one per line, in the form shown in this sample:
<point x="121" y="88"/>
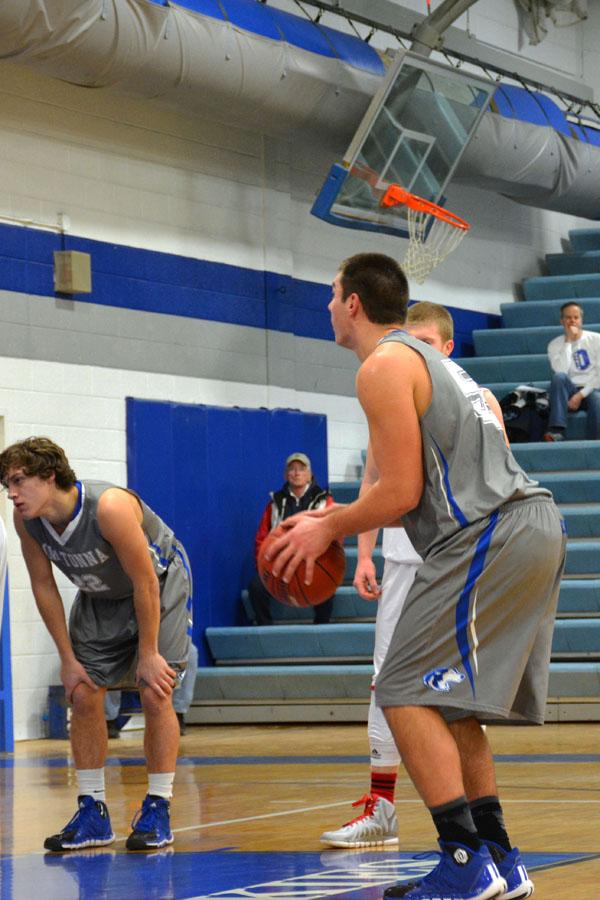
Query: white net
<point x="430" y="241"/>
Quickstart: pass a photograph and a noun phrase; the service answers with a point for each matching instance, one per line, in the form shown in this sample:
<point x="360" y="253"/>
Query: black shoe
<point x="89" y="827"/>
<point x="151" y="825"/>
<point x="113" y="728"/>
<point x="181" y="720"/>
<point x="399" y="890"/>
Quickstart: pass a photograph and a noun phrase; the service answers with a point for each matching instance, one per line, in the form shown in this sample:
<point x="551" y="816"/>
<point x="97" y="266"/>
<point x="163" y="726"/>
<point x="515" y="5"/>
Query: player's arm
<point x="365" y="577"/>
<point x="395" y="438"/>
<point x="119" y="519"/>
<point x="51" y="609"/>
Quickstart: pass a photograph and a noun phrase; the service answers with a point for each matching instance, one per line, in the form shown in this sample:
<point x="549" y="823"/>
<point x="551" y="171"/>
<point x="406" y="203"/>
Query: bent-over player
<point x="130" y="624"/>
<point x="473" y="640"/>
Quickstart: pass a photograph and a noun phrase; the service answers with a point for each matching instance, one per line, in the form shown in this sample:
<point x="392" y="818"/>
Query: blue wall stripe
<point x="158" y="282"/>
<point x="63" y="762"/>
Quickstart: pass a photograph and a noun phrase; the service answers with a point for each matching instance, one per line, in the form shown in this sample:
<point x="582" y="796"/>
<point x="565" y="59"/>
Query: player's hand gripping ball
<point x="328" y="574"/>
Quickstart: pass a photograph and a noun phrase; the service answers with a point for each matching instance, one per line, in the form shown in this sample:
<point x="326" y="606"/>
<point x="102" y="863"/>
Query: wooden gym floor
<point x="251" y="802"/>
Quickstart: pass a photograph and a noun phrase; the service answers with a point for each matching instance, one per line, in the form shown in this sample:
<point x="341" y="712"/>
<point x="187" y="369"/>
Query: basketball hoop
<point x="433" y="232"/>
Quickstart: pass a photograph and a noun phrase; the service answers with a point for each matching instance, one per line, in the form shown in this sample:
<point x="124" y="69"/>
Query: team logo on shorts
<point x="443" y="679"/>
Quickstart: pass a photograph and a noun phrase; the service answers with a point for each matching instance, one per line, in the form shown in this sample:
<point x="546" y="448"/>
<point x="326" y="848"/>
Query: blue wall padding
<point x="207" y="471"/>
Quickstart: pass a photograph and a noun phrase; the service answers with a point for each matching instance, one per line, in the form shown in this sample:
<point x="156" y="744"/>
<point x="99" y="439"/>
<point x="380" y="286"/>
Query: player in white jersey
<point x="377" y="825"/>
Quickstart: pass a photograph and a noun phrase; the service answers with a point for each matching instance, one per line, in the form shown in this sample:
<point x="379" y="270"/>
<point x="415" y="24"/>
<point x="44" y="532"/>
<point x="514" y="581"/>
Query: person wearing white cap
<point x="300" y="492"/>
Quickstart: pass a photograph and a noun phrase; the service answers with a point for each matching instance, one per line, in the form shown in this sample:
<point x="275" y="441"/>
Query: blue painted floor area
<point x="57" y="762"/>
<point x="107" y="874"/>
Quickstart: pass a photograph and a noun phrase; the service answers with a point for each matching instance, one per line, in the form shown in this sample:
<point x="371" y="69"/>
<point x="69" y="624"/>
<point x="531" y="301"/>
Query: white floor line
<point x="293" y="812"/>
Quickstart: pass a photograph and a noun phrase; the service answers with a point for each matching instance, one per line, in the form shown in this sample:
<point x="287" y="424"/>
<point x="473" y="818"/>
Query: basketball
<point x="328" y="574"/>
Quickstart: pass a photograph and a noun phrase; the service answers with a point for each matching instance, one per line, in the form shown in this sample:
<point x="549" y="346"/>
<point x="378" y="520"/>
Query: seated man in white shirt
<point x="575" y="361"/>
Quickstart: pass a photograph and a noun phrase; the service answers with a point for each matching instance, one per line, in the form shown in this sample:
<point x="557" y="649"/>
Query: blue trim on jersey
<point x="162" y="559"/>
<point x="184" y="562"/>
<point x="458" y="513"/>
<point x="189" y="604"/>
<point x="79" y="501"/>
<point x="464" y="602"/>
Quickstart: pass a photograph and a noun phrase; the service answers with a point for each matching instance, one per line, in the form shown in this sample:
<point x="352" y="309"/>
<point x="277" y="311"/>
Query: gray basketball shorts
<point x="475" y="633"/>
<point x="104" y="633"/>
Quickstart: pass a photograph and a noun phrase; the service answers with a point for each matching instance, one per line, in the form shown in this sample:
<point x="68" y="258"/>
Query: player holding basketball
<point x="130" y="623"/>
<point x="473" y="639"/>
<point x="377" y="825"/>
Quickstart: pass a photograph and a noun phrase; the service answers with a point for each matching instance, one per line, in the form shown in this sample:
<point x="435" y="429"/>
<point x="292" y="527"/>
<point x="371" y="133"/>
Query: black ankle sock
<point x="454" y="823"/>
<point x="489" y="821"/>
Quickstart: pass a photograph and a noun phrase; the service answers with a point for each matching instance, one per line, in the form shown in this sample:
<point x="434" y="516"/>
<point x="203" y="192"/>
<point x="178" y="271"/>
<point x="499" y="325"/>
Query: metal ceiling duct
<point x="251" y="66"/>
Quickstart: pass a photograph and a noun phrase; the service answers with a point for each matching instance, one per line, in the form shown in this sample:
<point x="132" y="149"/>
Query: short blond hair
<point x="425" y="312"/>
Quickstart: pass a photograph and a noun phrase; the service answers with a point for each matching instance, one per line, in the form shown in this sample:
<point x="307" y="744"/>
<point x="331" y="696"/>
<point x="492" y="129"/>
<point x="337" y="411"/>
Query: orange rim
<point x="396" y="195"/>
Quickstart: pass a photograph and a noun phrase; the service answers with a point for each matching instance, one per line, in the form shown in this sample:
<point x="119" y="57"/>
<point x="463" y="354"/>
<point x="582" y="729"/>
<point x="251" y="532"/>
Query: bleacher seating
<point x="298" y="671"/>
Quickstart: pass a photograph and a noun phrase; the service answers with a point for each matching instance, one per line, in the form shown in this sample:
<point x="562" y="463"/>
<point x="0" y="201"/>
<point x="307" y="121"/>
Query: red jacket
<point x="284" y="504"/>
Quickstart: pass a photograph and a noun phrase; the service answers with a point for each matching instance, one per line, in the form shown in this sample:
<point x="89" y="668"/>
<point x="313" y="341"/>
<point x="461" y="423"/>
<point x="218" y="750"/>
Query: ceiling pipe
<point x="427" y="36"/>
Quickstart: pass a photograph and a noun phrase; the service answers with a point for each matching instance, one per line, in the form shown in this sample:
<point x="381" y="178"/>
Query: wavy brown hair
<point x="38" y="456"/>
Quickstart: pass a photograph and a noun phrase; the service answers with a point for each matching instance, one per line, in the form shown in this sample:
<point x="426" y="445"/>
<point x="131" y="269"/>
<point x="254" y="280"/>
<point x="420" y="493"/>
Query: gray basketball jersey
<point x="87" y="559"/>
<point x="468" y="469"/>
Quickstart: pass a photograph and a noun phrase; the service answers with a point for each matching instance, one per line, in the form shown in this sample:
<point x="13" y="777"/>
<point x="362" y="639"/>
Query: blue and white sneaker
<point x="151" y="825"/>
<point x="461" y="874"/>
<point x="512" y="869"/>
<point x="89" y="827"/>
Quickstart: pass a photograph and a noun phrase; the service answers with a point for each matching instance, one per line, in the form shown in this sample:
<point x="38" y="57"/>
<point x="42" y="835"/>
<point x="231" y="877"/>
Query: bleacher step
<point x="584" y="263"/>
<point x="536" y="313"/>
<point x="583" y="239"/>
<point x="353" y="642"/>
<point x="342" y="693"/>
<point x="565" y="287"/>
<point x="518" y="341"/>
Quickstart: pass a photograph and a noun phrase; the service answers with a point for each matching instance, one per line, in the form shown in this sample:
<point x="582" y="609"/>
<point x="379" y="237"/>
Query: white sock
<point x="91" y="783"/>
<point x="161" y="784"/>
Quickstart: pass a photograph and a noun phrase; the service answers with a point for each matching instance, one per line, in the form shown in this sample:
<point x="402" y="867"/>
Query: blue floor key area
<point x="229" y="875"/>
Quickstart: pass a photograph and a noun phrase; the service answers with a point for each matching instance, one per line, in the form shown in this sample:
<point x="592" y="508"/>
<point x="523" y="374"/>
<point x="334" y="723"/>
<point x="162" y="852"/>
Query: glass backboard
<point x="413" y="134"/>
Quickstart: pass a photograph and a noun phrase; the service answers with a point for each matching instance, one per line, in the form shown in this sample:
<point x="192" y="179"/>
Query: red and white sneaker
<point x="377" y="826"/>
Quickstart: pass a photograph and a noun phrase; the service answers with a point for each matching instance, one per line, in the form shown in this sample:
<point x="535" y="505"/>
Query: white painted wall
<point x="82" y="408"/>
<point x="199" y="189"/>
